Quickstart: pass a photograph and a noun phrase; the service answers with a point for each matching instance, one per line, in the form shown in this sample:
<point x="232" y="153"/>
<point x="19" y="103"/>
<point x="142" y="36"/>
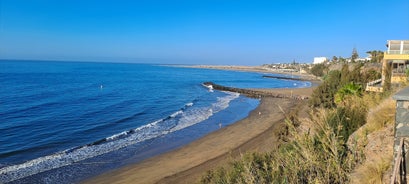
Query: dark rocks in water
<point x="284" y="78"/>
<point x="254" y="93"/>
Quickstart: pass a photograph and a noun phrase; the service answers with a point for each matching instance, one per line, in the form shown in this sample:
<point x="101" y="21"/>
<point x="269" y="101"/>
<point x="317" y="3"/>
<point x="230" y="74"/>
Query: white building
<point x="319" y="60"/>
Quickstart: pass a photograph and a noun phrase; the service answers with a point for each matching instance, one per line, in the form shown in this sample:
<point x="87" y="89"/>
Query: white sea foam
<point x="210" y="87"/>
<point x="176" y="113"/>
<point x="195" y="116"/>
<point x="64" y="158"/>
<point x="157" y="128"/>
<point x="116" y="136"/>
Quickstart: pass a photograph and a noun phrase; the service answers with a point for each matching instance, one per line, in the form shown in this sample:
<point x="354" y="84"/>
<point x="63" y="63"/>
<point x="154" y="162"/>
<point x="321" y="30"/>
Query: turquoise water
<point x="59" y="120"/>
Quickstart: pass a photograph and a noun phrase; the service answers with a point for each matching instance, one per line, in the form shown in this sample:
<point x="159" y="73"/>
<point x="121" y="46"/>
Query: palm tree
<point x="376" y="55"/>
<point x="350" y="89"/>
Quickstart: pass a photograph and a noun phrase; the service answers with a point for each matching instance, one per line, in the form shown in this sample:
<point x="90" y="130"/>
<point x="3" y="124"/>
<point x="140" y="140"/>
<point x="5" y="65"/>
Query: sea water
<point x="62" y="122"/>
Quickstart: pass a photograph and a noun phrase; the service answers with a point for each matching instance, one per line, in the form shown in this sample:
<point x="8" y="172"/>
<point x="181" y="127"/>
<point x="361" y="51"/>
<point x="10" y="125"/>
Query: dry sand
<point x="253" y="69"/>
<point x="260" y="132"/>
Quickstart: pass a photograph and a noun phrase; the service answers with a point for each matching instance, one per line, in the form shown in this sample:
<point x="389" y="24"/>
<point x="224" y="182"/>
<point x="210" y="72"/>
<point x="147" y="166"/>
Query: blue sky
<point x="241" y="32"/>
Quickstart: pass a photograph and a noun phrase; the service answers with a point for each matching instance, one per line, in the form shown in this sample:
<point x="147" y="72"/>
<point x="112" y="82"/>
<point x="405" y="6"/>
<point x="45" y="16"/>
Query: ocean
<point x="63" y="122"/>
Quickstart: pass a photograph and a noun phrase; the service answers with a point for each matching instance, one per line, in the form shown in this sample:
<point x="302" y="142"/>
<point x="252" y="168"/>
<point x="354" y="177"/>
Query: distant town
<point x="289" y="67"/>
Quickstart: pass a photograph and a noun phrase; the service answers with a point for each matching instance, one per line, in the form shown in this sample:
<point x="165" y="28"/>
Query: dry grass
<point x="325" y="154"/>
<point x="372" y="99"/>
<point x="377" y="136"/>
<point x="373" y="172"/>
<point x="319" y="157"/>
<point x="381" y="115"/>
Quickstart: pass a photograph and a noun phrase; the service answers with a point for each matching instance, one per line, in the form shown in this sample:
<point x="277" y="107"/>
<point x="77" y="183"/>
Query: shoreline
<point x="187" y="164"/>
<point x="304" y="76"/>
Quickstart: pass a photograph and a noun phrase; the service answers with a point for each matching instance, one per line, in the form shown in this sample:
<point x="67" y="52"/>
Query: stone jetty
<point x="254" y="93"/>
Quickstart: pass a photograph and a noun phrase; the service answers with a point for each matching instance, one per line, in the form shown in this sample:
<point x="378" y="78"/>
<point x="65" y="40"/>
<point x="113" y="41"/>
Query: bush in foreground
<point x="321" y="155"/>
<point x="318" y="156"/>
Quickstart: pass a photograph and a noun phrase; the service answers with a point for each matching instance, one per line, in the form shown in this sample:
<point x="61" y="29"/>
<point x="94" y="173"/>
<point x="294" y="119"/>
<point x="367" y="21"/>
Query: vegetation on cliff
<point x="321" y="154"/>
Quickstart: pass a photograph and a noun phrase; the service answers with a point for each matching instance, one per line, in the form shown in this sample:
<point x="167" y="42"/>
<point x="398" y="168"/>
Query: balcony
<point x="398" y="45"/>
<point x="397" y="49"/>
<point x="395" y="52"/>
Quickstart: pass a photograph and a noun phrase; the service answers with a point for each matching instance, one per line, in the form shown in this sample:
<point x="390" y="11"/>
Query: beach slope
<point x="258" y="132"/>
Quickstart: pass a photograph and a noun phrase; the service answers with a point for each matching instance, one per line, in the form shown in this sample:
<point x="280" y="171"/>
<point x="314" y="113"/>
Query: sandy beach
<point x="260" y="131"/>
<point x="259" y="69"/>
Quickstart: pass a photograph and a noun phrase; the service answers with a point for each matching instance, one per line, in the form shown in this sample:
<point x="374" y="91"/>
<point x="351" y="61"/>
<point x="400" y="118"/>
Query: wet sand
<point x="260" y="131"/>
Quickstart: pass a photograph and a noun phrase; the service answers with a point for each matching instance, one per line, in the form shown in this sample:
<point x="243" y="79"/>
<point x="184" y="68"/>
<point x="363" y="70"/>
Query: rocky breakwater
<point x="288" y="78"/>
<point x="254" y="93"/>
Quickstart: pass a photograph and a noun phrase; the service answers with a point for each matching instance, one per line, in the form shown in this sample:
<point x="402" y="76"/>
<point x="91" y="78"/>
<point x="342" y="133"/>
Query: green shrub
<point x="322" y="157"/>
<point x="317" y="156"/>
<point x="371" y="75"/>
<point x="345" y="120"/>
<point x="348" y="90"/>
<point x="319" y="69"/>
<point x="323" y="95"/>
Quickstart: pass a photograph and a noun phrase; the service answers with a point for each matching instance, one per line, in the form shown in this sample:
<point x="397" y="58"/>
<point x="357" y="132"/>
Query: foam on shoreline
<point x="253" y="132"/>
<point x="187" y="116"/>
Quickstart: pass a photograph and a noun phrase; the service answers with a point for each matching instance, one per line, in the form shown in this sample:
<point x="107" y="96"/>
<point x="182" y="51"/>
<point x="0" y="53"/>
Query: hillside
<point x="347" y="138"/>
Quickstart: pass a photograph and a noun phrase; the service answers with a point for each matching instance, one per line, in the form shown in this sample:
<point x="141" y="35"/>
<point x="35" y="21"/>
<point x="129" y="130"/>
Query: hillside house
<point x="396" y="60"/>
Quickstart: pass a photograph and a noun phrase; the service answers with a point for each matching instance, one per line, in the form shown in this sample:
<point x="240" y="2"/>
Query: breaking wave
<point x="187" y="116"/>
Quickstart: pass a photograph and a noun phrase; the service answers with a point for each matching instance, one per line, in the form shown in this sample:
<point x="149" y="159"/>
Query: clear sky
<point x="242" y="32"/>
